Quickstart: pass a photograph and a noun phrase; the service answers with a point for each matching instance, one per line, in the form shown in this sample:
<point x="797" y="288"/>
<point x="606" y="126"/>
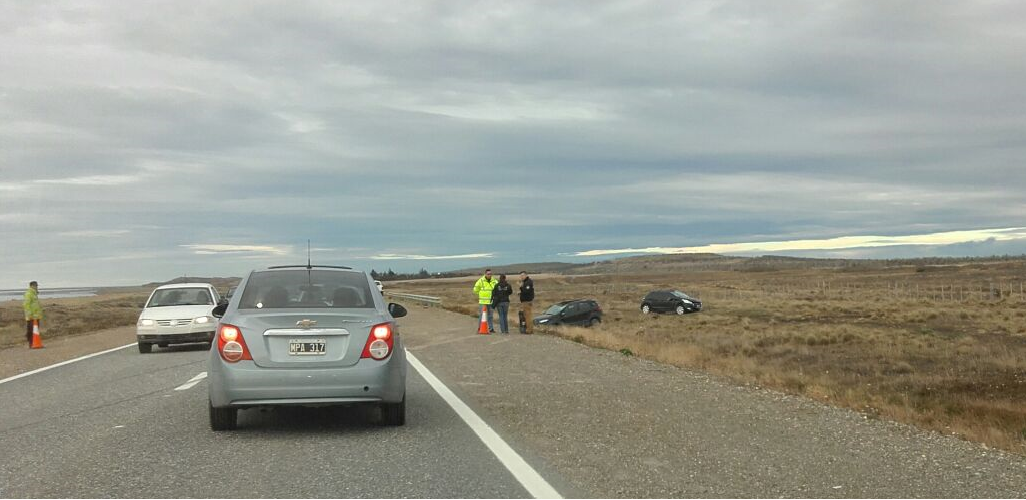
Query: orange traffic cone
<point x="37" y="342"/>
<point x="483" y="327"/>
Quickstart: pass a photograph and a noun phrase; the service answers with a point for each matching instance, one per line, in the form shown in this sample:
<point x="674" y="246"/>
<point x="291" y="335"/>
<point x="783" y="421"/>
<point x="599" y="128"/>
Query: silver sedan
<point x="306" y="335"/>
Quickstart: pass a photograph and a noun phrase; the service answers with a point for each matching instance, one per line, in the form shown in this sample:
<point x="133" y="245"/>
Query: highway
<point x="130" y="425"/>
<point x="547" y="417"/>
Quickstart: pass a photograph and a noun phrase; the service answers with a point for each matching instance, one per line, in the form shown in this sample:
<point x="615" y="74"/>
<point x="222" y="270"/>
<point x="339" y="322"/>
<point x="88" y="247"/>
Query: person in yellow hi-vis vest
<point x="483" y="288"/>
<point x="33" y="311"/>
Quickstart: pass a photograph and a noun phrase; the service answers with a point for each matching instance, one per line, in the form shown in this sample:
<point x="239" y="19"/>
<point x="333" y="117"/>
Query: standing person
<point x="526" y="298"/>
<point x="33" y="311"/>
<point x="500" y="297"/>
<point x="483" y="288"/>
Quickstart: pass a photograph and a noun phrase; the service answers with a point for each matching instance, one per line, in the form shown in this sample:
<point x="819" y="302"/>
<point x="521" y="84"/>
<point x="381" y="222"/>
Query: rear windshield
<point x="299" y="288"/>
<point x="180" y="297"/>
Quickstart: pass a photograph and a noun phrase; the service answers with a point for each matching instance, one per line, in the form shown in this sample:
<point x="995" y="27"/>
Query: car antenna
<point x="309" y="266"/>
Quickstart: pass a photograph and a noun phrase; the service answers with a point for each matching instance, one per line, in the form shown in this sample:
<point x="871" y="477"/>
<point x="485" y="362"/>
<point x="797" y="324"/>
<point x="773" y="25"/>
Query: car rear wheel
<point x="681" y="310"/>
<point x="145" y="348"/>
<point x="394" y="414"/>
<point x="223" y="419"/>
<point x="645" y="309"/>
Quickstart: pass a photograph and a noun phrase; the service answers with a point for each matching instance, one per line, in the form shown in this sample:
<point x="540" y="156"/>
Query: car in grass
<point x="579" y="312"/>
<point x="306" y="336"/>
<point x="179" y="313"/>
<point x="670" y="301"/>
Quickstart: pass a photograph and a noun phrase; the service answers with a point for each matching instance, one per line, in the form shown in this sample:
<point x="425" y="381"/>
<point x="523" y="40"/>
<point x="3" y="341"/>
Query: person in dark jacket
<point x="500" y="296"/>
<point x="526" y="298"/>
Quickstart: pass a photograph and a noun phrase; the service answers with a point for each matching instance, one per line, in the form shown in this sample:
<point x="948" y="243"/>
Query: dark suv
<point x="571" y="312"/>
<point x="670" y="301"/>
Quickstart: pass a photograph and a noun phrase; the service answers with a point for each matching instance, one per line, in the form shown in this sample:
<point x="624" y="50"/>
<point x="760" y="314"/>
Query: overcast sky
<point x="140" y="141"/>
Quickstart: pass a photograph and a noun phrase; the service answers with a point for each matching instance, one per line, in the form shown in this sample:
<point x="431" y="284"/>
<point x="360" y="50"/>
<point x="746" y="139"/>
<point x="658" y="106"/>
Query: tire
<point x="645" y="309"/>
<point x="594" y="321"/>
<point x="145" y="348"/>
<point x="394" y="414"/>
<point x="681" y="310"/>
<point x="223" y="419"/>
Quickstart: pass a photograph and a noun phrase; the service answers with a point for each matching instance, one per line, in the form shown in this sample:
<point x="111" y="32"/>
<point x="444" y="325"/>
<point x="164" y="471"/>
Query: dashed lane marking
<point x="192" y="382"/>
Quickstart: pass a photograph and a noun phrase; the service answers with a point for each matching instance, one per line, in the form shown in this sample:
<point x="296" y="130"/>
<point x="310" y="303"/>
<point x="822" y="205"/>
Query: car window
<point x="180" y="297"/>
<point x="299" y="288"/>
<point x="554" y="310"/>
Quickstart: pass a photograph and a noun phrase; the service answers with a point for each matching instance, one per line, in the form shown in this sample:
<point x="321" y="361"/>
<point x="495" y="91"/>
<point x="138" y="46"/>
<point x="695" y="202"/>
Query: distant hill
<point x="219" y="283"/>
<point x="654" y="264"/>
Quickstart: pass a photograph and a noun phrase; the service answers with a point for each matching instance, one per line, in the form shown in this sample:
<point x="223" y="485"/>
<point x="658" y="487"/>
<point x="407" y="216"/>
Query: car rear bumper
<point x="175" y="338"/>
<point x="244" y="384"/>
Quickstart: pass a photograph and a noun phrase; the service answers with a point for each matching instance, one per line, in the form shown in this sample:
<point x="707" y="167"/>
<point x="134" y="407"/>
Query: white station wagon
<point x="177" y="314"/>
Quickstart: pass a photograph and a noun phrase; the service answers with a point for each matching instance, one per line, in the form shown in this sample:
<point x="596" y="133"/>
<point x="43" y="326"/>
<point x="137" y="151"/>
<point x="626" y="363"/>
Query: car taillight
<point x="379" y="342"/>
<point x="231" y="345"/>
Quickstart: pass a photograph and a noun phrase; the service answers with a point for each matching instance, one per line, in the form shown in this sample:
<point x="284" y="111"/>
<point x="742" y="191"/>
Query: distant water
<point x="48" y="293"/>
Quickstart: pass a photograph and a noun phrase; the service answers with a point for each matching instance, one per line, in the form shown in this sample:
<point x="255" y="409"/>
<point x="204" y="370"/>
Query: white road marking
<point x="536" y="485"/>
<point x="193" y="381"/>
<point x="62" y="363"/>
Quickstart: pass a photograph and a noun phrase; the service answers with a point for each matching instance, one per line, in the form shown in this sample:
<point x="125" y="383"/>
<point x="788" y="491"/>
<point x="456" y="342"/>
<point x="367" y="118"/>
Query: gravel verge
<point x="617" y="426"/>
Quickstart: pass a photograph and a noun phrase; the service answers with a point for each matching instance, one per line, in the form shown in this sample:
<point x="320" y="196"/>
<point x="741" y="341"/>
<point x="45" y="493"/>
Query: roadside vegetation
<point x="73" y="316"/>
<point x="940" y="346"/>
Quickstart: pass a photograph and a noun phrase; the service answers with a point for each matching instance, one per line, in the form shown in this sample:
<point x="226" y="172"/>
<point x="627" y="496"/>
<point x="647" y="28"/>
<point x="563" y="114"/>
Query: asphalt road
<point x="591" y="422"/>
<point x="114" y="426"/>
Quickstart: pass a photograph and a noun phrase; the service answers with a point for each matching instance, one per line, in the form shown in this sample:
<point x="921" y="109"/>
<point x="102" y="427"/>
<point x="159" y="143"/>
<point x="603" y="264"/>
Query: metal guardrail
<point x="424" y="299"/>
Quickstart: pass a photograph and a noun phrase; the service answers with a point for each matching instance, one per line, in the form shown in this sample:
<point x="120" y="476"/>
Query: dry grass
<point x="930" y="346"/>
<point x="73" y="316"/>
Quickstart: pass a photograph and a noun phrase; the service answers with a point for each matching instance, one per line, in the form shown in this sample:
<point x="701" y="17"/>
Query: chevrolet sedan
<point x="307" y="336"/>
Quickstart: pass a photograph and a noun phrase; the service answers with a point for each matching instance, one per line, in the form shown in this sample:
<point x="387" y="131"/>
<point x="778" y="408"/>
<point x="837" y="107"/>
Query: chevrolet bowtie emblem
<point x="305" y="323"/>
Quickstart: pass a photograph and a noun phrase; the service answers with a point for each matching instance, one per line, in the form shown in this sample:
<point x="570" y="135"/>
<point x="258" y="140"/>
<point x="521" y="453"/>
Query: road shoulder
<point x="617" y="426"/>
<point x="19" y="359"/>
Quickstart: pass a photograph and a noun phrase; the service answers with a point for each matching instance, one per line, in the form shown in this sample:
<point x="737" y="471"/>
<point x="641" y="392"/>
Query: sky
<point x="141" y="141"/>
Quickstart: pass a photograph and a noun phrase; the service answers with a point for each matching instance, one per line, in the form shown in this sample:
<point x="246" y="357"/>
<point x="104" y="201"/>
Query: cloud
<point x="92" y="180"/>
<point x="392" y="256"/>
<point x="540" y="128"/>
<point x="846" y="242"/>
<point x="221" y="249"/>
<point x="94" y="233"/>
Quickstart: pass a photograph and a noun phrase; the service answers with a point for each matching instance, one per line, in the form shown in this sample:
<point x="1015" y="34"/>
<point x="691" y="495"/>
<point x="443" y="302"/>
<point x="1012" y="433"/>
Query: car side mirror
<point x="396" y="310"/>
<point x="218" y="311"/>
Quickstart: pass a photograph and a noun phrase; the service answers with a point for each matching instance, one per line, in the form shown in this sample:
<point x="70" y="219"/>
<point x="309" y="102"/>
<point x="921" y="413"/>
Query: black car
<point x="584" y="312"/>
<point x="670" y="301"/>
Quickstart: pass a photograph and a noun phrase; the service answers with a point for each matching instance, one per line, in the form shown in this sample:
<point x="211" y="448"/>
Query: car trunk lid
<point x="321" y="340"/>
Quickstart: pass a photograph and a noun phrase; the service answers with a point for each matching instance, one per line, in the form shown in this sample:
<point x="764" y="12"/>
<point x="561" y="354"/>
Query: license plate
<point x="306" y="347"/>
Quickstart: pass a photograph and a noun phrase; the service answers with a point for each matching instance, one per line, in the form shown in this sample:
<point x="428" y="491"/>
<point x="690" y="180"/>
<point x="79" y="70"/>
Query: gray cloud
<point x="521" y="131"/>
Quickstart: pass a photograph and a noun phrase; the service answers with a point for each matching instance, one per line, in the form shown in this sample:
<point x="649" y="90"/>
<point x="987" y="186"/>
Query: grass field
<point x="73" y="316"/>
<point x="942" y="347"/>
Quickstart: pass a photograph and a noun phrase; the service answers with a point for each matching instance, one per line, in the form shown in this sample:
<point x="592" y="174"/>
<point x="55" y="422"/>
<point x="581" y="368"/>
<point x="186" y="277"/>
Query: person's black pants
<point x="28" y="332"/>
